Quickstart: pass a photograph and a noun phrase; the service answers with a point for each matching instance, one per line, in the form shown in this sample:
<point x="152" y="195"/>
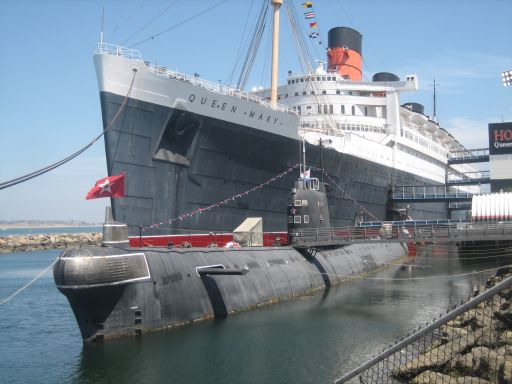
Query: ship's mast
<point x="435" y="98"/>
<point x="102" y="18"/>
<point x="304" y="154"/>
<point x="275" y="52"/>
<point x="435" y="102"/>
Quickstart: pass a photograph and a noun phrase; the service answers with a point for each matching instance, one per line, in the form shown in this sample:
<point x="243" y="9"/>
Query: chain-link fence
<point x="470" y="344"/>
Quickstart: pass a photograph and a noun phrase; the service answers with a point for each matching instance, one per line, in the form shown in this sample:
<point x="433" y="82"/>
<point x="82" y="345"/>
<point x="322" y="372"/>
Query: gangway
<point x="428" y="194"/>
<point x="465" y="156"/>
<point x="468" y="178"/>
<point x="444" y="231"/>
<point x="459" y="206"/>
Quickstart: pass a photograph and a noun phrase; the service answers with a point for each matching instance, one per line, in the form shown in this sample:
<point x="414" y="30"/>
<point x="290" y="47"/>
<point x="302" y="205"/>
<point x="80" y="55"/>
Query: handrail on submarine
<point x="386" y="233"/>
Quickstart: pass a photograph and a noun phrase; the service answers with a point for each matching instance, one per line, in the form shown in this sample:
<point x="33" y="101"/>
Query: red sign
<point x="500" y="138"/>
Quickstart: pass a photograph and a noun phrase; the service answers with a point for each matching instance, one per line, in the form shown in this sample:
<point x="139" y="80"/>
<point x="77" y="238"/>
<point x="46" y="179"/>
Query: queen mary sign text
<point x="500" y="138"/>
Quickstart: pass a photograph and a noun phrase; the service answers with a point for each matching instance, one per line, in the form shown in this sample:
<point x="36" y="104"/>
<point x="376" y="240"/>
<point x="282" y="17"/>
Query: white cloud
<point x="470" y="133"/>
<point x="453" y="66"/>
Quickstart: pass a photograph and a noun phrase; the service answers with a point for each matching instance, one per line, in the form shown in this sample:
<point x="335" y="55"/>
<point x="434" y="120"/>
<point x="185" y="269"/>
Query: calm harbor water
<point x="44" y="230"/>
<point x="309" y="340"/>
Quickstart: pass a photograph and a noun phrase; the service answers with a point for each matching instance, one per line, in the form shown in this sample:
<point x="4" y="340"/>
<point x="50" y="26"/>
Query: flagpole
<point x="275" y="52"/>
<point x="304" y="154"/>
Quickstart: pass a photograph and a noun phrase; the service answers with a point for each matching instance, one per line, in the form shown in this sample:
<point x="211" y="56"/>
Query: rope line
<point x="343" y="190"/>
<point x="4" y="301"/>
<point x="179" y="24"/>
<point x="118" y="26"/>
<point x="252" y="258"/>
<point x="39" y="172"/>
<point x="379" y="278"/>
<point x="148" y="23"/>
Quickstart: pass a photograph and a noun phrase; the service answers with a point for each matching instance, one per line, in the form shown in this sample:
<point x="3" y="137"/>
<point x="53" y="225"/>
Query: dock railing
<point x="408" y="232"/>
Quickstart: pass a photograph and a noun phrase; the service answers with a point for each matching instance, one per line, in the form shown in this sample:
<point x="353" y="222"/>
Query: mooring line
<point x="365" y="277"/>
<point x="42" y="171"/>
<point x="29" y="283"/>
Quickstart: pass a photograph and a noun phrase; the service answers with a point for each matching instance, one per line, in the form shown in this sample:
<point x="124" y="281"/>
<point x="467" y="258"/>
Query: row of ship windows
<point x="324" y="92"/>
<point x="338" y="92"/>
<point x="328" y="109"/>
<point x="308" y="79"/>
<point x="297" y="219"/>
<point x="348" y="127"/>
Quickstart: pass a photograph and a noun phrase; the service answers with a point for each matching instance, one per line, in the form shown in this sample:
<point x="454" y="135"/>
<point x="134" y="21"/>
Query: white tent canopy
<point x="492" y="207"/>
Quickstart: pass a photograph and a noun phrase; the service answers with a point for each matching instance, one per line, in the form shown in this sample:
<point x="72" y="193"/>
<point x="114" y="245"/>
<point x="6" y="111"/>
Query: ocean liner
<point x="203" y="156"/>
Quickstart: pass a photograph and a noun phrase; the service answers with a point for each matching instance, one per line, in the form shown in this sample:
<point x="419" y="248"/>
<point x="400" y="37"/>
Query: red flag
<point x="112" y="186"/>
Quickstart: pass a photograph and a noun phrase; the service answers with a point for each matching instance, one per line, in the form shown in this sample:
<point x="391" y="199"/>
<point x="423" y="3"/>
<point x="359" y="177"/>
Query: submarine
<point x="117" y="291"/>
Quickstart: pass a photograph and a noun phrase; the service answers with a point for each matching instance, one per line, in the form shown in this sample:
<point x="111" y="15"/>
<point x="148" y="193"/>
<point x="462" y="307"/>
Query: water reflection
<point x="311" y="339"/>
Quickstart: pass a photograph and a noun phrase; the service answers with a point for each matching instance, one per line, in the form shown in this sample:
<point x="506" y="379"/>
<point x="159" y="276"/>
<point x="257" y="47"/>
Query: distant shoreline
<point x="6" y="226"/>
<point x="18" y="226"/>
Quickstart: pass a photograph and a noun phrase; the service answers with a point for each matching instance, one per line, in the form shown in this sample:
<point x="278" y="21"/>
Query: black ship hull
<point x="177" y="162"/>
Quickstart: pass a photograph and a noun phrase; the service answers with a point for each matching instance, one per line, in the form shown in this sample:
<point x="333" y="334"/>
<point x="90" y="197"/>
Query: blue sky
<point x="49" y="104"/>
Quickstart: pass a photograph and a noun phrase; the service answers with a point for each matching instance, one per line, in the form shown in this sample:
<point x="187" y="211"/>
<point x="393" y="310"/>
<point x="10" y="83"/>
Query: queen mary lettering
<point x="214" y="103"/>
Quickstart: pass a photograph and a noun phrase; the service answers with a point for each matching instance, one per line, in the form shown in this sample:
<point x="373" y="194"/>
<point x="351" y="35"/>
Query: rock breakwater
<point x="47" y="241"/>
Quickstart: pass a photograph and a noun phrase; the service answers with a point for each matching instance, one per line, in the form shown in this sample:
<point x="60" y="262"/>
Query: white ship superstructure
<point x="366" y="118"/>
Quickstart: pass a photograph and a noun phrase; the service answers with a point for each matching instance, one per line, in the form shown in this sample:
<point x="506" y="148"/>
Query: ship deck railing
<point x="133" y="54"/>
<point x="387" y="233"/>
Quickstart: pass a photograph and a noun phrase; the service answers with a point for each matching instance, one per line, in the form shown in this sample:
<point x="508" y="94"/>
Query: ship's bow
<point x="97" y="281"/>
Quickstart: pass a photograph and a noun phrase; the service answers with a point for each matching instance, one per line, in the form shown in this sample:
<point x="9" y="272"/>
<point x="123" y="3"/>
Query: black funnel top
<point x="340" y="37"/>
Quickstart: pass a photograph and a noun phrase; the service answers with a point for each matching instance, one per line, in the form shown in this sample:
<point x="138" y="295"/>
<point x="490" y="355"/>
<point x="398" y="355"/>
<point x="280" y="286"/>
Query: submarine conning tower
<point x="307" y="205"/>
<point x="345" y="54"/>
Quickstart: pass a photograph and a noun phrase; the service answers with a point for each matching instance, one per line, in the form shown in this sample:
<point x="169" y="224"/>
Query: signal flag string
<point x="225" y="201"/>
<point x="245" y="193"/>
<point x="309" y="15"/>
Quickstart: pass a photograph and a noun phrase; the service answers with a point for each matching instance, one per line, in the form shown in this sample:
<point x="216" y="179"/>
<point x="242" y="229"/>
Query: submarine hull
<point x="116" y="291"/>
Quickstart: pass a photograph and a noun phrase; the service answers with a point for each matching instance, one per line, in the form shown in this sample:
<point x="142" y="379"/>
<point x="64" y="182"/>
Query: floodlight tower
<point x="507" y="78"/>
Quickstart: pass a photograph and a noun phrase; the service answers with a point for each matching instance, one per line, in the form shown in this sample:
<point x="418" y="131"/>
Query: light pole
<point x="506" y="77"/>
